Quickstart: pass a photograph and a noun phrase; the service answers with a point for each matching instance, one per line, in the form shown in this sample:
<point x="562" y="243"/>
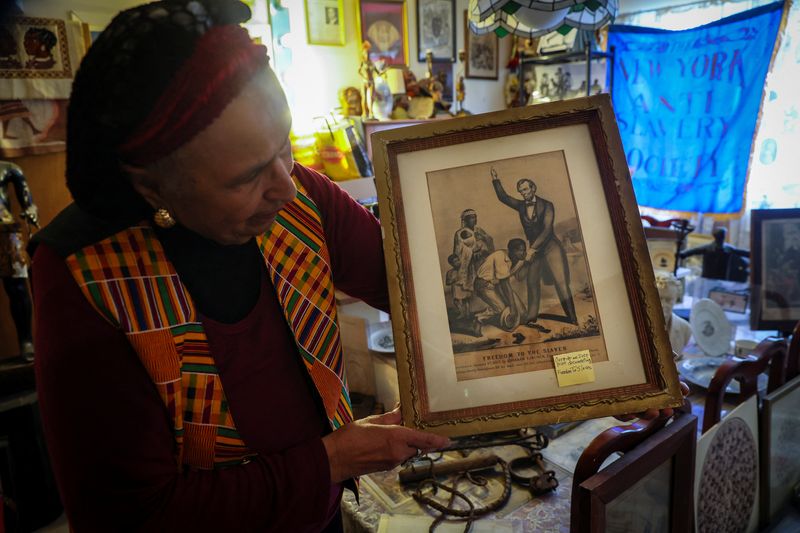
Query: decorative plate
<point x="700" y="370"/>
<point x="710" y="327"/>
<point x="728" y="485"/>
<point x="381" y="338"/>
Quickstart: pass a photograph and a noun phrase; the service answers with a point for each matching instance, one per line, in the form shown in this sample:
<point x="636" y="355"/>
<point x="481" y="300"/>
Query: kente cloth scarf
<point x="128" y="279"/>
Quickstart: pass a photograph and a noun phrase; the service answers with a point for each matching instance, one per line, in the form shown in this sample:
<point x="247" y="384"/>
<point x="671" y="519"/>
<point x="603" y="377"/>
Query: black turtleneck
<point x="224" y="280"/>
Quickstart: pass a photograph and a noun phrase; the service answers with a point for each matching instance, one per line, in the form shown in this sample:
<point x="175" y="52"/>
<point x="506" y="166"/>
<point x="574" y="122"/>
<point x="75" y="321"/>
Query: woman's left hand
<point x="653" y="413"/>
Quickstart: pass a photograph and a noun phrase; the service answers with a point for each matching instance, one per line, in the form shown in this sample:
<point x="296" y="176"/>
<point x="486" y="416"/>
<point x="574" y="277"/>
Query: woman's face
<point x="235" y="175"/>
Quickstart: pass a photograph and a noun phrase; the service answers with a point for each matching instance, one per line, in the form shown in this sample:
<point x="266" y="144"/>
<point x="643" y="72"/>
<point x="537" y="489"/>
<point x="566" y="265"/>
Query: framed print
<point x="325" y="22"/>
<point x="735" y="302"/>
<point x="775" y="266"/>
<point x="562" y="81"/>
<point x="482" y="53"/>
<point x="520" y="283"/>
<point x="436" y="29"/>
<point x="780" y="434"/>
<point x="726" y="472"/>
<point x="384" y="26"/>
<point x="647" y="489"/>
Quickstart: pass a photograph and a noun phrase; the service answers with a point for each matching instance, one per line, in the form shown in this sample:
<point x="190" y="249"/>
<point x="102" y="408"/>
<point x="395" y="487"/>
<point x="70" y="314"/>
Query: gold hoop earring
<point x="163" y="218"/>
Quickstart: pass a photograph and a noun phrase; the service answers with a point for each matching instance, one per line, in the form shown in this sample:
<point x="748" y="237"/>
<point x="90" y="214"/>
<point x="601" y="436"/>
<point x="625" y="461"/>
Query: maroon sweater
<point x="108" y="432"/>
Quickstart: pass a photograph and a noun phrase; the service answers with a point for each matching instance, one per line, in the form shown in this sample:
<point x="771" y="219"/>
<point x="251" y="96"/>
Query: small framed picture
<point x="775" y="265"/>
<point x="520" y="283"/>
<point x="436" y="29"/>
<point x="729" y="301"/>
<point x="482" y="53"/>
<point x="383" y="24"/>
<point x="324" y="22"/>
<point x="662" y="253"/>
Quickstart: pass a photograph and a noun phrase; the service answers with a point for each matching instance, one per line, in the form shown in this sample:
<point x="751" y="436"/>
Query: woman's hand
<point x="375" y="443"/>
<point x="652" y="413"/>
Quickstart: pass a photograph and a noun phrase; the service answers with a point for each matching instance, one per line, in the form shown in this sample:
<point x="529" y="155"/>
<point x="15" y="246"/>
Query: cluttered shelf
<point x="566" y="57"/>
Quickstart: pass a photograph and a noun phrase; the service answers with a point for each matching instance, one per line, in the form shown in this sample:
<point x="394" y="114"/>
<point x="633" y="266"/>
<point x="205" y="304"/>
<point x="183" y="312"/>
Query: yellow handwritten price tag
<point x="574" y="368"/>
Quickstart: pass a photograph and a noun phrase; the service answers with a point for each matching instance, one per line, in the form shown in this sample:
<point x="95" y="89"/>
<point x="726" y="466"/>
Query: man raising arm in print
<point x="536" y="216"/>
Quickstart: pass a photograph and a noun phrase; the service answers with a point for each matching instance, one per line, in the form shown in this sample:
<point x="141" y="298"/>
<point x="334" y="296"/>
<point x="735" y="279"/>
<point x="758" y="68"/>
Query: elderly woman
<point x="189" y="364"/>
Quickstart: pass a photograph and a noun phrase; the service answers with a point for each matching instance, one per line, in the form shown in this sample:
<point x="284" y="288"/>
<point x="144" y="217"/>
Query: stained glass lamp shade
<point x="487" y="7"/>
<point x="517" y="18"/>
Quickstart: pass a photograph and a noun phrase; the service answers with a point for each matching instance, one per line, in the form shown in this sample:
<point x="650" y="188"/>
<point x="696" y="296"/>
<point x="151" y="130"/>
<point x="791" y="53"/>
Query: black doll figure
<point x="13" y="264"/>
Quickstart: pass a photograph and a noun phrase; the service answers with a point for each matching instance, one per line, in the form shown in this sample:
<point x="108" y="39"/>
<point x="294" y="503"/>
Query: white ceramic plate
<point x="381" y="338"/>
<point x="700" y="370"/>
<point x="710" y="327"/>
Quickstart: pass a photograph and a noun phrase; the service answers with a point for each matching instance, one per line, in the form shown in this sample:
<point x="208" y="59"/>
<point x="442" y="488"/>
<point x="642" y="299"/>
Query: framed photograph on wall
<point x="520" y="282"/>
<point x="325" y="22"/>
<point x="384" y="26"/>
<point x="436" y="29"/>
<point x="775" y="266"/>
<point x="482" y="53"/>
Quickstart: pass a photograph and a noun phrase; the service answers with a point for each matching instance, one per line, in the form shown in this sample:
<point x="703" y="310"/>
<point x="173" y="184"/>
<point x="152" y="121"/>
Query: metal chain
<point x="473" y="512"/>
<point x="538" y="484"/>
<point x="533" y="443"/>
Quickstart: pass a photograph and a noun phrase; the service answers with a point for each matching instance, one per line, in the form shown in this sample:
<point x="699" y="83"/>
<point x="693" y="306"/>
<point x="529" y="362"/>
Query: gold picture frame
<point x="456" y="379"/>
<point x="325" y="22"/>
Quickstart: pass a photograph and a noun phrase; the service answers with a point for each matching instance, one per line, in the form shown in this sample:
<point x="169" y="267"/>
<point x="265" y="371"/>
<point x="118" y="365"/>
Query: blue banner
<point x="687" y="104"/>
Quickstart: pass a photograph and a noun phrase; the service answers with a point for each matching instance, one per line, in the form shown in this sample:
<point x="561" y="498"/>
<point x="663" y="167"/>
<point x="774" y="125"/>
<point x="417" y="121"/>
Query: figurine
<point x="429" y="64"/>
<point x="679" y="330"/>
<point x="13" y="266"/>
<point x="432" y="86"/>
<point x="367" y="70"/>
<point x="461" y="89"/>
<point x="512" y="89"/>
<point x="529" y="87"/>
<point x="721" y="260"/>
<point x="350" y="101"/>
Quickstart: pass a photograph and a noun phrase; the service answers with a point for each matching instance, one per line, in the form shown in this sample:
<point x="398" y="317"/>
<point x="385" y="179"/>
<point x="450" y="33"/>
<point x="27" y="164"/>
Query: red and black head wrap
<point x="158" y="75"/>
<point x="223" y="61"/>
